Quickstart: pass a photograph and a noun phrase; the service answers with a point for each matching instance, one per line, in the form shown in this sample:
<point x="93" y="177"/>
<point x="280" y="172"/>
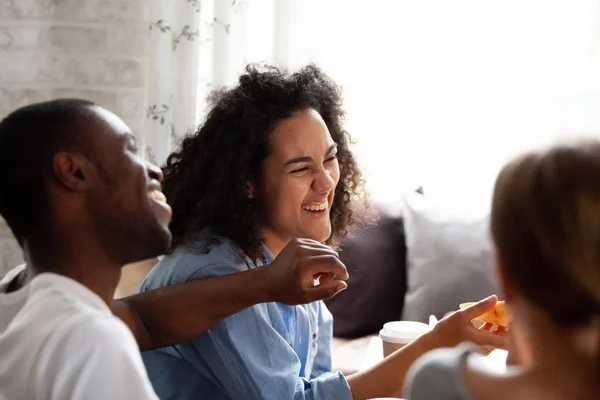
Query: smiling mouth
<point x="316" y="207"/>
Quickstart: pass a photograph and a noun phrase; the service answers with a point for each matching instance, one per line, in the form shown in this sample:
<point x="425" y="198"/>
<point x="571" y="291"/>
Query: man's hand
<point x="178" y="313"/>
<point x="290" y="277"/>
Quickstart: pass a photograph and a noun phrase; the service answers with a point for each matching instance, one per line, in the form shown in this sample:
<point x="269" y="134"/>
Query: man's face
<point x="127" y="207"/>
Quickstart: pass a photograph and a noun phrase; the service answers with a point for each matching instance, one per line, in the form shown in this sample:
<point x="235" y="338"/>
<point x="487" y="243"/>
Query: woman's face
<point x="298" y="181"/>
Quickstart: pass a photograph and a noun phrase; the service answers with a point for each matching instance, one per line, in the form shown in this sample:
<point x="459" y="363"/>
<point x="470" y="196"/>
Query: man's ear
<point x="73" y="171"/>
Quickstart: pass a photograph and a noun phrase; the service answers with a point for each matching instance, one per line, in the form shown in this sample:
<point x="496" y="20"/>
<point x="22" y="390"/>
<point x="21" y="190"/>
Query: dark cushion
<point x="375" y="255"/>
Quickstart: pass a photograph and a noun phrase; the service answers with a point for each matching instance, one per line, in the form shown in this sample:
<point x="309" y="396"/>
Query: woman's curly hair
<point x="206" y="180"/>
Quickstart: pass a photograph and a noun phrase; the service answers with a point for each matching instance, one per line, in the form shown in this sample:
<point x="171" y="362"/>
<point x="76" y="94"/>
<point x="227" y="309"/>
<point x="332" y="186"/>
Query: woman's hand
<point x="457" y="327"/>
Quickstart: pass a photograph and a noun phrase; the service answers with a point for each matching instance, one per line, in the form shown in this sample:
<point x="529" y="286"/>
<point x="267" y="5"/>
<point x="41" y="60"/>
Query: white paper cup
<point x="398" y="334"/>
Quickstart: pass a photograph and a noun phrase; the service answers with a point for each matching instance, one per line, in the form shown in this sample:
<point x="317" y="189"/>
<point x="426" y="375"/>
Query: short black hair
<point x="29" y="138"/>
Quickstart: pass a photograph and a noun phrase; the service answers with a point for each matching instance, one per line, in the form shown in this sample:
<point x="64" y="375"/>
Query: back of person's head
<point x="29" y="137"/>
<point x="546" y="226"/>
<point x="206" y="180"/>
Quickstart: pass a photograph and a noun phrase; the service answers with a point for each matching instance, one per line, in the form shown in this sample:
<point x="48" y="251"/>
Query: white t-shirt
<point x="59" y="340"/>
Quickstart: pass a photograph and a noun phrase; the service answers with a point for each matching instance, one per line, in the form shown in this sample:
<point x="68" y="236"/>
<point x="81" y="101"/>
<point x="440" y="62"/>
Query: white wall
<point x="92" y="49"/>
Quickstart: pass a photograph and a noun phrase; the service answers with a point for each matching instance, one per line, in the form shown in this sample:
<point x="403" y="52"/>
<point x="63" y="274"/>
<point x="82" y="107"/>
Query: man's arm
<point x="178" y="313"/>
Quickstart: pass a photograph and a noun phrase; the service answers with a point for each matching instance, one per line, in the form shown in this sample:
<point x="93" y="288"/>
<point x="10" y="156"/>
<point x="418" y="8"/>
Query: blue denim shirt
<point x="268" y="351"/>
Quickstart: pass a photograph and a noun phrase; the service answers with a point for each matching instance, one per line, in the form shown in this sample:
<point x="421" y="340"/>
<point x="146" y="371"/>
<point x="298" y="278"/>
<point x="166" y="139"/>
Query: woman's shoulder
<point x="206" y="257"/>
<point x="439" y="374"/>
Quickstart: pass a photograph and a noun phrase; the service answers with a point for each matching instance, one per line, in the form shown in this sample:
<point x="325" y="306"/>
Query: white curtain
<point x="437" y="92"/>
<point x="172" y="79"/>
<point x="196" y="46"/>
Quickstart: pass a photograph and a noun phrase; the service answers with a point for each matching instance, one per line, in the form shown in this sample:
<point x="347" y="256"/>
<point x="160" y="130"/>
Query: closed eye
<point x="332" y="158"/>
<point x="299" y="170"/>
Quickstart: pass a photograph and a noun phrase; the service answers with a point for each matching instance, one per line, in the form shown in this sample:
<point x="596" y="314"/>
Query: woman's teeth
<point x="158" y="196"/>
<point x="316" y="206"/>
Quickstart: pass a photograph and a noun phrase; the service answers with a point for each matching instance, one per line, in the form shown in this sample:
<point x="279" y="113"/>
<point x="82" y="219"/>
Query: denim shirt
<point x="268" y="351"/>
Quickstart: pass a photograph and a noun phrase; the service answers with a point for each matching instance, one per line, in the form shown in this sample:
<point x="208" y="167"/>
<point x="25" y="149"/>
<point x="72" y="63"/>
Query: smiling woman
<point x="271" y="164"/>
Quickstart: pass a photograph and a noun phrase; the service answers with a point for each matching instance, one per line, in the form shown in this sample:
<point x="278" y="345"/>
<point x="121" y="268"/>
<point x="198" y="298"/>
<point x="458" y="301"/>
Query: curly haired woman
<point x="271" y="165"/>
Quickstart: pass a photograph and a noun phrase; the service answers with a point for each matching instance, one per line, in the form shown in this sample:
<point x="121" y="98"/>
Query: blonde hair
<point x="546" y="226"/>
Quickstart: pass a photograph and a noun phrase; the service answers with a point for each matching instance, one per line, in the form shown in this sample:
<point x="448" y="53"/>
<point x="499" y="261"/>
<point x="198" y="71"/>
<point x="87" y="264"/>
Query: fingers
<point x="316" y="259"/>
<point x="494" y="329"/>
<point x="308" y="242"/>
<point x="311" y="245"/>
<point x="501" y="331"/>
<point x="325" y="278"/>
<point x="309" y="249"/>
<point x="324" y="265"/>
<point x="325" y="291"/>
<point x="486" y="327"/>
<point x="478" y="308"/>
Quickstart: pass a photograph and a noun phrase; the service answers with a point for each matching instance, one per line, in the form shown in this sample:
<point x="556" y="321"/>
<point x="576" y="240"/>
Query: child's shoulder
<point x="439" y="375"/>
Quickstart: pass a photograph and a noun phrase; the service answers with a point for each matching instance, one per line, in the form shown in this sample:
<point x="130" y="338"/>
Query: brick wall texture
<point x="92" y="49"/>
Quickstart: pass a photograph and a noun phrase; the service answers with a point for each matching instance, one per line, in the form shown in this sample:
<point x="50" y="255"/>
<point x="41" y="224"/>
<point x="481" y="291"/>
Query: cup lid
<point x="403" y="331"/>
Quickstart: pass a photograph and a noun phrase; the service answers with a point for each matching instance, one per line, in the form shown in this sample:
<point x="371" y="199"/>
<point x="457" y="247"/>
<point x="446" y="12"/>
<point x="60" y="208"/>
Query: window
<point x="436" y="92"/>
